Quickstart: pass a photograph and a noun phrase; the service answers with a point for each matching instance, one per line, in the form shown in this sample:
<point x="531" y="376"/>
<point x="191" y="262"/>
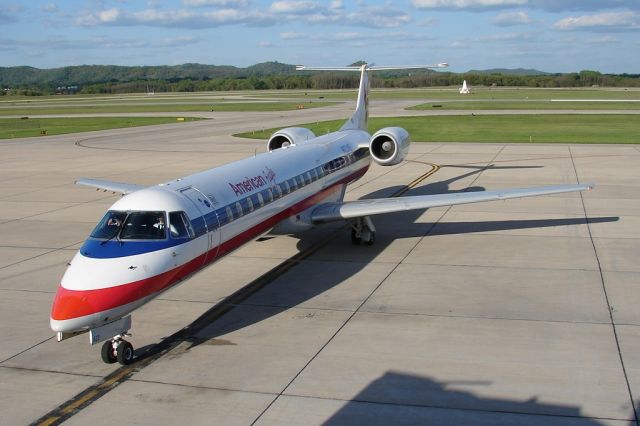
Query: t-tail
<point x="358" y="120"/>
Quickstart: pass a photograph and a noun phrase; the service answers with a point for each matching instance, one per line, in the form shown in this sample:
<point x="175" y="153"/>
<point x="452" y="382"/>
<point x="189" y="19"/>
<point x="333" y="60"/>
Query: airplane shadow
<point x="403" y="399"/>
<point x="306" y="279"/>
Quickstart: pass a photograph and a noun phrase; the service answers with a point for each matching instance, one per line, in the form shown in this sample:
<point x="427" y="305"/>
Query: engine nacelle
<point x="389" y="146"/>
<point x="289" y="136"/>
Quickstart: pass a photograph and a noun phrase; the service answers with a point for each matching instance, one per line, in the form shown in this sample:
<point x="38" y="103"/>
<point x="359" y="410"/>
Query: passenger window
<point x="239" y="209"/>
<point x="300" y="181"/>
<point x="229" y="213"/>
<point x="260" y="200"/>
<point x="249" y="204"/>
<point x="180" y="225"/>
<point x="285" y="187"/>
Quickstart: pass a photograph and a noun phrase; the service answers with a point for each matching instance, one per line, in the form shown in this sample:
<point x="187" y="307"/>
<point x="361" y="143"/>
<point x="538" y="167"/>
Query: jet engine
<point x="289" y="136"/>
<point x="389" y="146"/>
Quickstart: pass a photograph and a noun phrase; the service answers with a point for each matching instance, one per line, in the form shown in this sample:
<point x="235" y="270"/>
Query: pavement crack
<point x="606" y="295"/>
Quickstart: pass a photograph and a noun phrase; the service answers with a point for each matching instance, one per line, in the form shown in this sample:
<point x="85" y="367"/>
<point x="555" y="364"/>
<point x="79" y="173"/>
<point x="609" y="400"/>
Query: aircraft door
<point x="208" y="221"/>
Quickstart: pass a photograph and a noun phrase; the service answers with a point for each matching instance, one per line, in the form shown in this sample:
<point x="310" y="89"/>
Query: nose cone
<point x="67" y="309"/>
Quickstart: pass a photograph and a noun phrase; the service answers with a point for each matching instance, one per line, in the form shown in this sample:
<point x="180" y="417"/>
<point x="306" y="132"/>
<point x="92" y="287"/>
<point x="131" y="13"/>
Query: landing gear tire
<point x="355" y="239"/>
<point x="108" y="355"/>
<point x="372" y="238"/>
<point x="362" y="230"/>
<point x="125" y="353"/>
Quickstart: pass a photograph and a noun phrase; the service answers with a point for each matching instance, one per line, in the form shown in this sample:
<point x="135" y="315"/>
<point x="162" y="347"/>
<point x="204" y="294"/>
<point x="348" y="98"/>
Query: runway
<point x="522" y="311"/>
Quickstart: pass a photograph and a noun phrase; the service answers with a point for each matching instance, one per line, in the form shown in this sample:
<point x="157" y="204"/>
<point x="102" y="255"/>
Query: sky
<point x="548" y="35"/>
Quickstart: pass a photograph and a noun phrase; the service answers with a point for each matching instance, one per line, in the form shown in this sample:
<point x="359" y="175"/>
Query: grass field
<point x="21" y="128"/>
<point x="71" y="107"/>
<point x="286" y="100"/>
<point x="531" y="104"/>
<point x="481" y="93"/>
<point x="562" y="128"/>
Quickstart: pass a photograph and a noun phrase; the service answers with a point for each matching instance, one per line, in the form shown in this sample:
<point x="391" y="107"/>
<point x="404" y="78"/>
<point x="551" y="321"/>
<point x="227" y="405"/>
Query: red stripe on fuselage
<point x="70" y="304"/>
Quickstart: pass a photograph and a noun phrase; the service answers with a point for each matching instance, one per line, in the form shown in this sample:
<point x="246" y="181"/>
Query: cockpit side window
<point x="144" y="226"/>
<point x="180" y="226"/>
<point x="110" y="225"/>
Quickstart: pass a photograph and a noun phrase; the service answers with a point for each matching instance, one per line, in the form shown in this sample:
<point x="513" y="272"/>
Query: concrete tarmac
<point x="515" y="312"/>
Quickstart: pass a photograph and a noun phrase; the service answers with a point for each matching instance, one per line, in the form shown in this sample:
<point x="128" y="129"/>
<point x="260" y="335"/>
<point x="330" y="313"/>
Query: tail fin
<point x="358" y="120"/>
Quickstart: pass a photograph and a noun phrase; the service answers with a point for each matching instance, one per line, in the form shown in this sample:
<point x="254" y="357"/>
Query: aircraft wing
<point x="107" y="185"/>
<point x="330" y="212"/>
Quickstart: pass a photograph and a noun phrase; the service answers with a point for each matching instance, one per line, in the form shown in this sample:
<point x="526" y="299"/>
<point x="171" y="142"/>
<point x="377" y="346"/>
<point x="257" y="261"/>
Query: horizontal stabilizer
<point x="371" y="67"/>
<point x="107" y="185"/>
<point x="339" y="211"/>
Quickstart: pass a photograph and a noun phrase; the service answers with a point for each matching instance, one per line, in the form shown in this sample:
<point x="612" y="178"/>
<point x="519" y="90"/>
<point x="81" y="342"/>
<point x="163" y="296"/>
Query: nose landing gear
<point x="117" y="349"/>
<point x="114" y="348"/>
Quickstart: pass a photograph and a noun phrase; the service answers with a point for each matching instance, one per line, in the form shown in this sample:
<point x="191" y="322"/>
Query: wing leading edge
<point x="107" y="185"/>
<point x="339" y="211"/>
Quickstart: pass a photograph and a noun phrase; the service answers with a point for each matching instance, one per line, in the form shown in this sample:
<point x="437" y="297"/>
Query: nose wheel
<point x="117" y="349"/>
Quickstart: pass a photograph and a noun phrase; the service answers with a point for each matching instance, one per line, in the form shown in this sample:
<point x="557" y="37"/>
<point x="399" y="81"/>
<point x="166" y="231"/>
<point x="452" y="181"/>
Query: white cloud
<point x="509" y="19"/>
<point x="380" y="37"/>
<point x="293" y="6"/>
<point x="279" y="12"/>
<point x="343" y="36"/>
<point x="508" y="37"/>
<point x="174" y="18"/>
<point x="375" y="16"/>
<point x="50" y="8"/>
<point x="428" y="22"/>
<point x="607" y="39"/>
<point x="234" y="4"/>
<point x="109" y="15"/>
<point x="265" y="44"/>
<point x="290" y="35"/>
<point x="583" y="5"/>
<point x="608" y="21"/>
<point x="467" y="4"/>
<point x="103" y="42"/>
<point x="548" y="5"/>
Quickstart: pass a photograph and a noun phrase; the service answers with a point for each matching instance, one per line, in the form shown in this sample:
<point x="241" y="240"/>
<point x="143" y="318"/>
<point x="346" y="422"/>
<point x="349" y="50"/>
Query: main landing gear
<point x="117" y="349"/>
<point x="362" y="230"/>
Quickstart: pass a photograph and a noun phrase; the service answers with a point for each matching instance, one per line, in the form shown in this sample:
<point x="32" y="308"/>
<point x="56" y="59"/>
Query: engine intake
<point x="389" y="146"/>
<point x="289" y="136"/>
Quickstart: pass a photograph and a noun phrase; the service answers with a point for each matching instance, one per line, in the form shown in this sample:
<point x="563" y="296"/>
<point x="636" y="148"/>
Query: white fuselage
<point x="226" y="206"/>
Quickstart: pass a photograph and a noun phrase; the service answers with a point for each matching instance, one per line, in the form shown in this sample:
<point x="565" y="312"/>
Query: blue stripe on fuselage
<point x="98" y="249"/>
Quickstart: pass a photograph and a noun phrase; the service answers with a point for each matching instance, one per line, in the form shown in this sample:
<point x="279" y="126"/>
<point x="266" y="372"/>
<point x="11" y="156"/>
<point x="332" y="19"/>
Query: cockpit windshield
<point x="144" y="226"/>
<point x="110" y="225"/>
<point x="132" y="226"/>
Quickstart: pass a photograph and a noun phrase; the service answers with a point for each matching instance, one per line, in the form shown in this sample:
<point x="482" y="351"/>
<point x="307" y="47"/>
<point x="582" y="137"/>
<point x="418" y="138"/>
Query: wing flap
<point x="107" y="185"/>
<point x="339" y="211"/>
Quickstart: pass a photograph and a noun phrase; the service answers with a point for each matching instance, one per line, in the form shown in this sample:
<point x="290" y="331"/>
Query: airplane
<point x="157" y="236"/>
<point x="464" y="90"/>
